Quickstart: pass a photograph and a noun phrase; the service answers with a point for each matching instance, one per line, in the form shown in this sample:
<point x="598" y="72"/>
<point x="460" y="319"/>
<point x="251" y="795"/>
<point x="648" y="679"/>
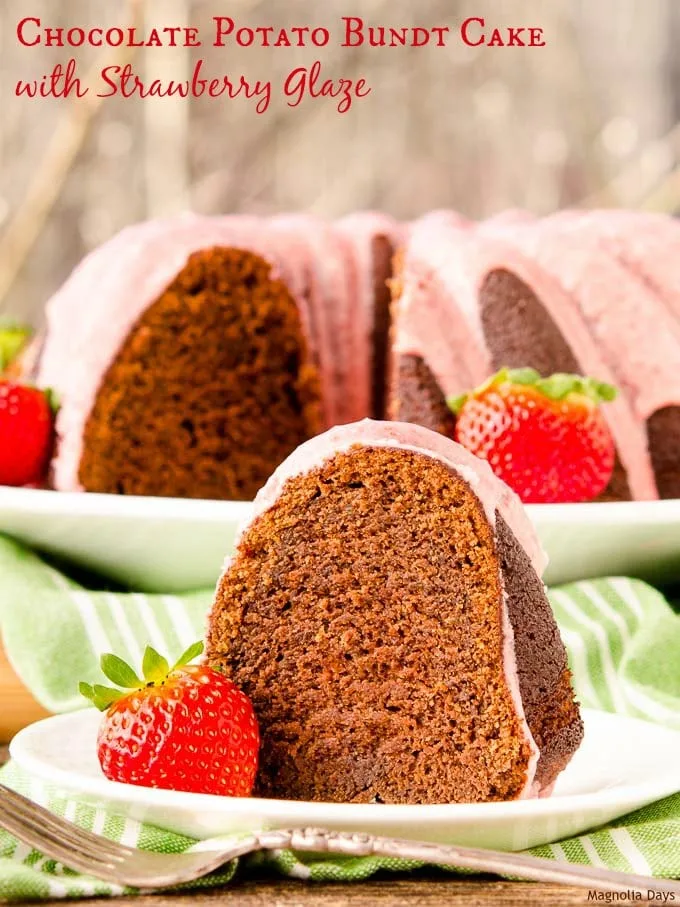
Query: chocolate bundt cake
<point x="517" y="292"/>
<point x="191" y="355"/>
<point x="637" y="333"/>
<point x="385" y="613"/>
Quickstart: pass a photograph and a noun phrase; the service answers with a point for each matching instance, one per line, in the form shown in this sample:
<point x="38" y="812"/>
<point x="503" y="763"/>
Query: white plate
<point x="149" y="544"/>
<point x="623" y="764"/>
<point x="170" y="545"/>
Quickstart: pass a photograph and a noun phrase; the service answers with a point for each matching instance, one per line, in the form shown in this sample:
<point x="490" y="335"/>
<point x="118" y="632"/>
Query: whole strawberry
<point x="26" y="433"/>
<point x="545" y="437"/>
<point x="184" y="728"/>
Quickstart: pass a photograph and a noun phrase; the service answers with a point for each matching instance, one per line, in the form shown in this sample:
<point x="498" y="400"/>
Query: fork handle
<point x="517" y="865"/>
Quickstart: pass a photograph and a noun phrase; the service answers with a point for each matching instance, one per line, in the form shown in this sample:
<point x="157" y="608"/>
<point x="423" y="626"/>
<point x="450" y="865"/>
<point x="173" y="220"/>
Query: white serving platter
<point x="173" y="545"/>
<point x="623" y="764"/>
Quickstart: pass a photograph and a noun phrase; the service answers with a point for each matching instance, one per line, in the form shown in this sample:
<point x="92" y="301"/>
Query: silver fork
<point x="111" y="862"/>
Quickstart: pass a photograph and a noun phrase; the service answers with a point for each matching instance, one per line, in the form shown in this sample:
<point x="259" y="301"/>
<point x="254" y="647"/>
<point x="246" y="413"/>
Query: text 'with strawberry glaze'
<point x="301" y="84"/>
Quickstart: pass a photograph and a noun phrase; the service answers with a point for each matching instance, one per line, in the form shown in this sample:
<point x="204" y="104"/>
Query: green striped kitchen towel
<point x="624" y="646"/>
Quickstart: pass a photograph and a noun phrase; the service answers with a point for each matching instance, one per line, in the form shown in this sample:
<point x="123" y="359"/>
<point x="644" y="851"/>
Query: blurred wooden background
<point x="590" y="119"/>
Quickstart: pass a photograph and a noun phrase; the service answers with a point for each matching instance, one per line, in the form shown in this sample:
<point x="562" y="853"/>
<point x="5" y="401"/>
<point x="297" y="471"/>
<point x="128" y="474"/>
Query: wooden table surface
<point x="422" y="889"/>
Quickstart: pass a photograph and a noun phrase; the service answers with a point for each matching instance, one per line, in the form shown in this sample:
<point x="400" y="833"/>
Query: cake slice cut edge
<point x="385" y="613"/>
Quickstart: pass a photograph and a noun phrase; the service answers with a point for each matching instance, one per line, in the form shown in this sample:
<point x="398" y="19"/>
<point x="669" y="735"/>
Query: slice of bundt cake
<point x="191" y="355"/>
<point x="384" y="611"/>
<point x="636" y="331"/>
<point x="185" y="361"/>
<point x="468" y="302"/>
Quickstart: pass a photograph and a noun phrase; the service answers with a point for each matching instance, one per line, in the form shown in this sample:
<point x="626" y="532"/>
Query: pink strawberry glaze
<point x="359" y="231"/>
<point x="426" y="322"/>
<point x="647" y="243"/>
<point x="333" y="298"/>
<point x="511" y="216"/>
<point x="89" y="318"/>
<point x="493" y="494"/>
<point x="447" y="217"/>
<point x="612" y="299"/>
<point x="438" y="319"/>
<point x="298" y="259"/>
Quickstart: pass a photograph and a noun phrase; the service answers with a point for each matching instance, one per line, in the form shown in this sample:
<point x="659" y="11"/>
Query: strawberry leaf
<point x="154" y="667"/>
<point x="106" y="696"/>
<point x="559" y="386"/>
<point x="555" y="387"/>
<point x="86" y="690"/>
<point x="119" y="672"/>
<point x="525" y="376"/>
<point x="13" y="338"/>
<point x="455" y="404"/>
<point x="606" y="392"/>
<point x="192" y="652"/>
<point x="99" y="696"/>
<point x="52" y="400"/>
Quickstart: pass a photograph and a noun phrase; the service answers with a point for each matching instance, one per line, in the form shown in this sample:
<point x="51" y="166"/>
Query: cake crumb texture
<point x="362" y="613"/>
<point x="212" y="388"/>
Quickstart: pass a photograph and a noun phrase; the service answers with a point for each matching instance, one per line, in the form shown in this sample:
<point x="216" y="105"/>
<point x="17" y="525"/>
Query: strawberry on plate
<point x="185" y="727"/>
<point x="26" y="433"/>
<point x="545" y="437"/>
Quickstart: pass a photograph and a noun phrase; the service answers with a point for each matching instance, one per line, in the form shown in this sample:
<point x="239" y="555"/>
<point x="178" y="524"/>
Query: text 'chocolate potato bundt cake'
<point x="384" y="611"/>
